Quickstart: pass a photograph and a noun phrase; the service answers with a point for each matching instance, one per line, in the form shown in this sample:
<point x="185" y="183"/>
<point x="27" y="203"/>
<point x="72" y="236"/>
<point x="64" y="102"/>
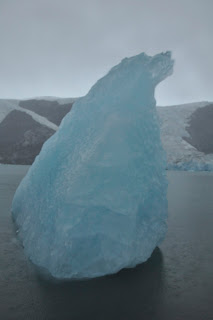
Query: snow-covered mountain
<point x="186" y="130"/>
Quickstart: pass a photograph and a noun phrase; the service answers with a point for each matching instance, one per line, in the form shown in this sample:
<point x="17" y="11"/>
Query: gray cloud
<point x="61" y="47"/>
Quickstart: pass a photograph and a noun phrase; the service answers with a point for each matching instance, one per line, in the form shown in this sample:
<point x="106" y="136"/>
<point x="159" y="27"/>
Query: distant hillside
<point x="26" y="124"/>
<point x="186" y="131"/>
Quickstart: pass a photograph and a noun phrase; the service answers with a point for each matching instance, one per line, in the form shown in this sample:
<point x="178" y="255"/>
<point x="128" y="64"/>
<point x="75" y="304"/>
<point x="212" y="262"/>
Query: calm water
<point x="175" y="284"/>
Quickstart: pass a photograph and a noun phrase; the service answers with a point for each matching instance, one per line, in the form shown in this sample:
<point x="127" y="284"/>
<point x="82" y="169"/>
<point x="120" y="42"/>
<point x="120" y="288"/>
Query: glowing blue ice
<point x="94" y="201"/>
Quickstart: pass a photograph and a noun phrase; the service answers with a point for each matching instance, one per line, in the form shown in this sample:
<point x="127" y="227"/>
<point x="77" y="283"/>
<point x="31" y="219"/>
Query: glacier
<point x="95" y="199"/>
<point x="181" y="155"/>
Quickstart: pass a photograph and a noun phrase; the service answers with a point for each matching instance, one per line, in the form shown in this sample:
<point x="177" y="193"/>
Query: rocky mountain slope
<point x="186" y="131"/>
<point x="25" y="125"/>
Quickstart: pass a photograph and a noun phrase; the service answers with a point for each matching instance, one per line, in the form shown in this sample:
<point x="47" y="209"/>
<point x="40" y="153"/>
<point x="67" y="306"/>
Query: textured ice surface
<point x="94" y="201"/>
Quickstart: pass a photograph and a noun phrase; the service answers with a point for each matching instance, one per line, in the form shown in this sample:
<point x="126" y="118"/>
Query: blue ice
<point x="94" y="201"/>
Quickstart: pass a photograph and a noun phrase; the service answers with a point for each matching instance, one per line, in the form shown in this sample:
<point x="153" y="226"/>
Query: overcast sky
<point x="61" y="47"/>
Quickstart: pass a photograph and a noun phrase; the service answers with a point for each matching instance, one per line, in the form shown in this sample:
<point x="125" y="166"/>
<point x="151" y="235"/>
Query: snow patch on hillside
<point x="6" y="106"/>
<point x="59" y="100"/>
<point x="38" y="118"/>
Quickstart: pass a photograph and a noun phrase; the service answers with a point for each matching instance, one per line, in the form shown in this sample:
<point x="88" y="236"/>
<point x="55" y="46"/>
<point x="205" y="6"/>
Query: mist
<point x="61" y="48"/>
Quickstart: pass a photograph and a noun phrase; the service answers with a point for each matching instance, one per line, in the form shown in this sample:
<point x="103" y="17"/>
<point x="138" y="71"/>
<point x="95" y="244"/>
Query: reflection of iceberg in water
<point x="129" y="294"/>
<point x="94" y="201"/>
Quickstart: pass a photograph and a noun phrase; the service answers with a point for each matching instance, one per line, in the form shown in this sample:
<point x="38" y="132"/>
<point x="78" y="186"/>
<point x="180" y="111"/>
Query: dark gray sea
<point x="176" y="283"/>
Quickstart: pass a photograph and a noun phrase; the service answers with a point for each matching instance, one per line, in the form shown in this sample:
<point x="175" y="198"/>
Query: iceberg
<point x="95" y="199"/>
